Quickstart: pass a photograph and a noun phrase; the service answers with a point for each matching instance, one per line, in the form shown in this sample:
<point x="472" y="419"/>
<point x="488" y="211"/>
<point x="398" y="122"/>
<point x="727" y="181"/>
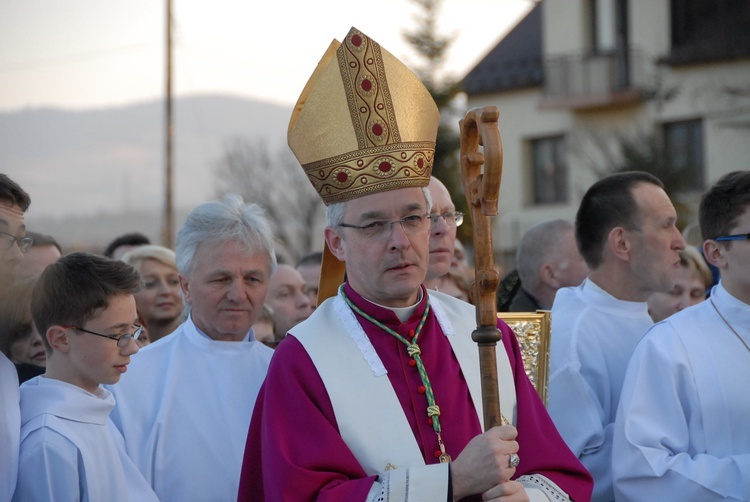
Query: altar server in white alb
<point x="626" y="231"/>
<point x="70" y="449"/>
<point x="682" y="426"/>
<point x="185" y="408"/>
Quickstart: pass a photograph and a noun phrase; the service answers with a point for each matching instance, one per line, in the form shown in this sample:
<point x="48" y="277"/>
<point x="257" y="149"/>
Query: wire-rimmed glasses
<point x="121" y="339"/>
<point x="412" y="224"/>
<point x="452" y="219"/>
<point x="7" y="240"/>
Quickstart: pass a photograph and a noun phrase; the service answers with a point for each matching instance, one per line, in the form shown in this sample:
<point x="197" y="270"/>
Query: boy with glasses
<point x="83" y="305"/>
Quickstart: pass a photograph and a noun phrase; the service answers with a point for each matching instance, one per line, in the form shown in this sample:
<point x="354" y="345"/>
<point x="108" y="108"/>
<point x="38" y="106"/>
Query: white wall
<point x="701" y="95"/>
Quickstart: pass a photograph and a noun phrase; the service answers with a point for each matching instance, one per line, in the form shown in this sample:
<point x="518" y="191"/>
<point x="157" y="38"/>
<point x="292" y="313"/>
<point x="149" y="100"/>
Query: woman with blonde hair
<point x="159" y="302"/>
<point x="693" y="281"/>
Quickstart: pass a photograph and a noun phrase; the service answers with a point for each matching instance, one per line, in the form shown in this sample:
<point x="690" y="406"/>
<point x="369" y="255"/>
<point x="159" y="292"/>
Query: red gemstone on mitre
<point x="377" y="129"/>
<point x="420" y="163"/>
<point x="385" y="166"/>
<point x="356" y="40"/>
<point x="342" y="177"/>
<point x="366" y="85"/>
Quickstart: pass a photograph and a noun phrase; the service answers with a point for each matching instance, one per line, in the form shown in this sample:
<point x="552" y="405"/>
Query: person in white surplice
<point x="626" y="231"/>
<point x="185" y="407"/>
<point x="70" y="449"/>
<point x="681" y="431"/>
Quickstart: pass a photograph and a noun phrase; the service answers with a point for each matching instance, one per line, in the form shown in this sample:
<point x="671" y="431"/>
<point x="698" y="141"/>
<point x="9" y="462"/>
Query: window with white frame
<point x="549" y="170"/>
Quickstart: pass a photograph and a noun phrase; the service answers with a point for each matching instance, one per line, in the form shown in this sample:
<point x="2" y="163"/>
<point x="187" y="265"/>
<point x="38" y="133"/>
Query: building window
<point x="683" y="143"/>
<point x="604" y="17"/>
<point x="550" y="171"/>
<point x="703" y="31"/>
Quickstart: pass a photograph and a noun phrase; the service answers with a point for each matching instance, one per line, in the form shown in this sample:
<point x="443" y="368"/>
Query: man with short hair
<point x="309" y="268"/>
<point x="547" y="260"/>
<point x="287" y="297"/>
<point x="121" y="244"/>
<point x="43" y="252"/>
<point x="14" y="202"/>
<point x="376" y="396"/>
<point x="626" y="231"/>
<point x="681" y="428"/>
<point x="184" y="408"/>
<point x="14" y="242"/>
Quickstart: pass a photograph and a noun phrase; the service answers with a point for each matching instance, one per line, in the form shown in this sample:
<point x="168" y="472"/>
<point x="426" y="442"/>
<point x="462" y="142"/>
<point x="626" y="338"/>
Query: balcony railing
<point x="592" y="80"/>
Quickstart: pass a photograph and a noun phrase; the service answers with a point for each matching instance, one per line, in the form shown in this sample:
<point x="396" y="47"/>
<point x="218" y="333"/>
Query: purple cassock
<point x="295" y="451"/>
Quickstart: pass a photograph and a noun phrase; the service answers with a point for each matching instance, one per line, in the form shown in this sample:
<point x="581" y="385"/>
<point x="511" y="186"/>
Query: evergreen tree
<point x="432" y="47"/>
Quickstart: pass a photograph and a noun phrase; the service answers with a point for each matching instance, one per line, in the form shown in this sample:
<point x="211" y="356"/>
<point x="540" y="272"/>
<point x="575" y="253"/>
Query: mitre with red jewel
<point x="364" y="123"/>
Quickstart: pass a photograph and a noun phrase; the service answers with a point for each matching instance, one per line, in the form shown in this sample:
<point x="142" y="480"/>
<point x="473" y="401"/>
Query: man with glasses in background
<point x="83" y="305"/>
<point x="376" y="396"/>
<point x="681" y="428"/>
<point x="14" y="202"/>
<point x="444" y="221"/>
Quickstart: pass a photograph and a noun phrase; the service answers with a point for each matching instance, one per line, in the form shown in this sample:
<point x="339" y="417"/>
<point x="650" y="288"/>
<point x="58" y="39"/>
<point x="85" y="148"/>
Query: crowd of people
<point x="212" y="372"/>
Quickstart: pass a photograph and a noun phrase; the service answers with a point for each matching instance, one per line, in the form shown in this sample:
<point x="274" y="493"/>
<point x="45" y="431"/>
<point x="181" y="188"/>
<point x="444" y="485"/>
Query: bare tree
<point x="276" y="182"/>
<point x="608" y="152"/>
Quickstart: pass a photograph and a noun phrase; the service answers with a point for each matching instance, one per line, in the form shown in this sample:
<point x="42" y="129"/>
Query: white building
<point x="574" y="76"/>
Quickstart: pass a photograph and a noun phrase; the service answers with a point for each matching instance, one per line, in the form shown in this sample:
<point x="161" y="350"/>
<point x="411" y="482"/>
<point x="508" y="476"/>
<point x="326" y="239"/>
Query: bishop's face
<point x="387" y="268"/>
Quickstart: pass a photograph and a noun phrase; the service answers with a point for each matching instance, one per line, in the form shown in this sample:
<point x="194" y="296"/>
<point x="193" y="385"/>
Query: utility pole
<point x="167" y="237"/>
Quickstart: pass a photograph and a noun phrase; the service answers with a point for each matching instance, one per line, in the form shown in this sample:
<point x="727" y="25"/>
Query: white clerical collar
<point x="403" y="313"/>
<point x="200" y="332"/>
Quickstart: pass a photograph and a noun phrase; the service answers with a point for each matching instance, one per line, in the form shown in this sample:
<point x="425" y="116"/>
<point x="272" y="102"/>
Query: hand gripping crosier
<point x="482" y="188"/>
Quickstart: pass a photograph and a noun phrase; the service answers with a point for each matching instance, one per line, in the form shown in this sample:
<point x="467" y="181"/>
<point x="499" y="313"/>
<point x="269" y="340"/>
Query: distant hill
<point x="93" y="174"/>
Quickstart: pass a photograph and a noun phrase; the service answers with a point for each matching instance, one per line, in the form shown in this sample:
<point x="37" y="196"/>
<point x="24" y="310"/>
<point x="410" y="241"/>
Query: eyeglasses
<point x="7" y="240"/>
<point x="453" y="219"/>
<point x="412" y="224"/>
<point x="122" y="339"/>
<point x="737" y="237"/>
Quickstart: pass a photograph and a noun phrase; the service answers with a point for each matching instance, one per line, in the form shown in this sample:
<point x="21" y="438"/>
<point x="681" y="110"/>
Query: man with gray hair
<point x="547" y="259"/>
<point x="185" y="408"/>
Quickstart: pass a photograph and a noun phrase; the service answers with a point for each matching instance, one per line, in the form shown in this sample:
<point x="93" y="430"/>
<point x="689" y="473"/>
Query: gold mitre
<point x="364" y="123"/>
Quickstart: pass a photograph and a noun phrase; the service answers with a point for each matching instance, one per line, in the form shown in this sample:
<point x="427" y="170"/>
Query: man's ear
<point x="547" y="276"/>
<point x="335" y="243"/>
<point x="714" y="253"/>
<point x="619" y="243"/>
<point x="185" y="287"/>
<point x="57" y="336"/>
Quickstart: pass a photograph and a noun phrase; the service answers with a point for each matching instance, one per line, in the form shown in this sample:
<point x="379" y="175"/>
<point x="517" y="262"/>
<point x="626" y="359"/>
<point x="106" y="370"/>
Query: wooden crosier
<point x="482" y="188"/>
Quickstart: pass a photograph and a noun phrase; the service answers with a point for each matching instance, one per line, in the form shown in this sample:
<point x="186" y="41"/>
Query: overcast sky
<point x="95" y="53"/>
